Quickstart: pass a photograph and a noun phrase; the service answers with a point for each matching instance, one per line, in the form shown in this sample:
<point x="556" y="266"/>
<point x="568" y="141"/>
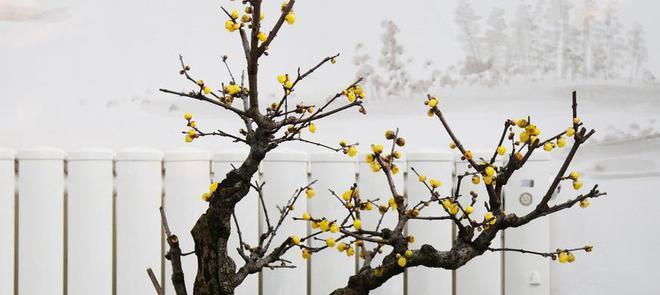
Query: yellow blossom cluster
<point x="192" y="133"/>
<point x="432" y="103"/>
<point x="354" y="92"/>
<point x="566" y="256"/>
<point x="291" y="16"/>
<point x="450" y="206"/>
<point x="348" y="149"/>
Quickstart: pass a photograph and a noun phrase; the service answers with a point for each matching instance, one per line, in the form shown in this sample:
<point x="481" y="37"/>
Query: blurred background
<point x="81" y="74"/>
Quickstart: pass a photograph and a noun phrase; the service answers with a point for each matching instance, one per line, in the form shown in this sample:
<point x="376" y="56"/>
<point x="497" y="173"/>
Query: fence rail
<point x="87" y="222"/>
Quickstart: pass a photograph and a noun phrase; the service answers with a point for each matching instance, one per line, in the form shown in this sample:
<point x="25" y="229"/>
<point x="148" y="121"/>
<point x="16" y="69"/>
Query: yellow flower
<point x="334" y="228"/>
<point x="488" y="216"/>
<point x="570" y="132"/>
<point x="395" y="169"/>
<point x="341" y="246"/>
<point x="262" y="37"/>
<point x="522" y="123"/>
<point x="435" y="183"/>
<point x="576" y="120"/>
<point x="571" y="257"/>
<point x="234" y="14"/>
<point x="584" y="203"/>
<point x="577" y="184"/>
<point x="488" y="180"/>
<point x="213" y="187"/>
<point x="206" y="197"/>
<point x="468" y="154"/>
<point x="377" y="148"/>
<point x="454" y="209"/>
<point x="188" y="139"/>
<point x="310" y="192"/>
<point x="469" y="209"/>
<point x="351" y="96"/>
<point x="476" y="179"/>
<point x="561" y="142"/>
<point x="199" y="82"/>
<point x="396" y="154"/>
<point x="312" y="128"/>
<point x="548" y="146"/>
<point x="368" y="206"/>
<point x="330" y="242"/>
<point x="375" y="167"/>
<point x="295" y="240"/>
<point x="324" y="225"/>
<point x="232" y="89"/>
<point x="288" y="84"/>
<point x="501" y="150"/>
<point x="422" y="178"/>
<point x="291" y="18"/>
<point x="410" y="239"/>
<point x="315" y="225"/>
<point x="409" y="253"/>
<point x="563" y="257"/>
<point x="433" y="102"/>
<point x="192" y="133"/>
<point x="187" y="116"/>
<point x="306" y="254"/>
<point x="369" y="158"/>
<point x="393" y="203"/>
<point x="282" y="79"/>
<point x="347" y="195"/>
<point x="452" y="145"/>
<point x="357" y="224"/>
<point x="229" y="25"/>
<point x="193" y="124"/>
<point x="352" y="151"/>
<point x="490" y="171"/>
<point x="401" y="261"/>
<point x="524" y="137"/>
<point x="306" y="216"/>
<point x="574" y="175"/>
<point x="350" y="252"/>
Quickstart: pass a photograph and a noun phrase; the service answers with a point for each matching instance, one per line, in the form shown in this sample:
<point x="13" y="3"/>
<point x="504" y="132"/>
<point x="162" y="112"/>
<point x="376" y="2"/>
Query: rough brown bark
<point x="216" y="269"/>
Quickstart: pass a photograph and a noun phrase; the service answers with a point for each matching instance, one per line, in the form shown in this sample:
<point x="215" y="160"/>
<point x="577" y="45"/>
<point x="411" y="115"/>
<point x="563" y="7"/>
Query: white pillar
<point x="337" y="172"/>
<point x="374" y="185"/>
<point x="137" y="219"/>
<point x="41" y="221"/>
<point x="7" y="189"/>
<point x="528" y="274"/>
<point x="247" y="214"/>
<point x="187" y="177"/>
<point x="89" y="222"/>
<point x="483" y="274"/>
<point x="284" y="172"/>
<point x="438" y="234"/>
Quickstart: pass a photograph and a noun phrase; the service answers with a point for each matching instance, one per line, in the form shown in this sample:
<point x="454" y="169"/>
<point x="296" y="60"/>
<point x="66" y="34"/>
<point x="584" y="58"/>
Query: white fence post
<point x="285" y="172"/>
<point x="527" y="274"/>
<point x="373" y="185"/>
<point x="89" y="222"/>
<point x="187" y="177"/>
<point x="138" y="226"/>
<point x="7" y="189"/>
<point x="337" y="172"/>
<point x="247" y="214"/>
<point x="440" y="166"/>
<point x="482" y="275"/>
<point x="41" y="221"/>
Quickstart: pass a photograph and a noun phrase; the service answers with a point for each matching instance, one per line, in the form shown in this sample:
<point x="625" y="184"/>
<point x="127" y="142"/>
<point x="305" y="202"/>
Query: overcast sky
<point x="59" y="54"/>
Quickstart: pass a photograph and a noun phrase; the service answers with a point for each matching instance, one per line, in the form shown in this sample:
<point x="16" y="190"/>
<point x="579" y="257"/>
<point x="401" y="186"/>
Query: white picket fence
<point x="87" y="222"/>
